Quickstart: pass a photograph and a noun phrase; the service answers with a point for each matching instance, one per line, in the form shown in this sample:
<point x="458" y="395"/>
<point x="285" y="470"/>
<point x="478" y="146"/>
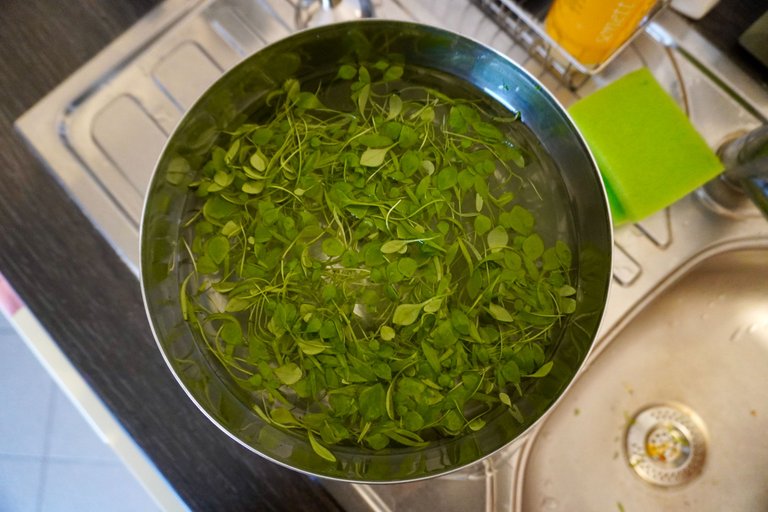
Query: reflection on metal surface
<point x="136" y="76"/>
<point x="185" y="73"/>
<point x="312" y="13"/>
<point x="124" y="119"/>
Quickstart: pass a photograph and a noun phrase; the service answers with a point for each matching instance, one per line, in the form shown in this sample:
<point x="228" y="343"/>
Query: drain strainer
<point x="666" y="445"/>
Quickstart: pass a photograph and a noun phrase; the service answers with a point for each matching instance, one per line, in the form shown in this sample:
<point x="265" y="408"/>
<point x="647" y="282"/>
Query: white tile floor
<point x="50" y="458"/>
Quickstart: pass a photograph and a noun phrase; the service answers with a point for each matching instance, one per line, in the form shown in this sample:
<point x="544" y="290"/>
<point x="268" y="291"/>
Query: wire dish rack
<point x="523" y="22"/>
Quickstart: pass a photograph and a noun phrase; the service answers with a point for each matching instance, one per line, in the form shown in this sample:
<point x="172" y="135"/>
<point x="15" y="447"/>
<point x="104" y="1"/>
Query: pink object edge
<point x="10" y="303"/>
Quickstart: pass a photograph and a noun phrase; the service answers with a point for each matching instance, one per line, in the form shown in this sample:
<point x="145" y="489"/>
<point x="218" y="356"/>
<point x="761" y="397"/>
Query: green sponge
<point x="648" y="152"/>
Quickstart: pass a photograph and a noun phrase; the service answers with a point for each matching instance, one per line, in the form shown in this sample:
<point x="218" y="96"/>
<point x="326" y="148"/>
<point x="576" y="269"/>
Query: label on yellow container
<point x="591" y="30"/>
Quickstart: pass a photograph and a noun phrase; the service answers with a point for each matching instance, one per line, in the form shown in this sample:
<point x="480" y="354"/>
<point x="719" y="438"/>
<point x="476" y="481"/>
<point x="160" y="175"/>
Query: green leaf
<point x="466" y="179"/>
<point x="406" y="314"/>
<point x="446" y="178"/>
<point x="405" y="437"/>
<point x="261" y="136"/>
<point x="363" y="75"/>
<point x="408" y="137"/>
<point x="514" y="410"/>
<point x="372" y="402"/>
<point x="362" y="99"/>
<point x="223" y="179"/>
<point x="260" y="412"/>
<point x="347" y="72"/>
<point x="253" y="187"/>
<point x="482" y="224"/>
<point x="413" y="421"/>
<point x="393" y="246"/>
<point x="543" y="371"/>
<point x="258" y="161"/>
<point x="373" y="157"/>
<point x="395" y="106"/>
<point x="288" y="374"/>
<point x="292" y="88"/>
<point x="387" y="333"/>
<point x="217" y="249"/>
<point x="230" y="228"/>
<point x="407" y="266"/>
<point x="499" y="313"/>
<point x="476" y="424"/>
<point x="497" y="238"/>
<point x="231" y="333"/>
<point x="433" y="305"/>
<point x="511" y="373"/>
<point x="393" y="73"/>
<point x="232" y="152"/>
<point x="374" y="140"/>
<point x="518" y="219"/>
<point x="456" y="121"/>
<point x="533" y="247"/>
<point x="319" y="449"/>
<point x="427" y="115"/>
<point x="410" y="162"/>
<point x="460" y="321"/>
<point x="479" y="202"/>
<point x="431" y="355"/>
<point x="487" y="131"/>
<point x="563" y="254"/>
<point x="311" y="347"/>
<point x="283" y="417"/>
<point x="332" y="247"/>
<point x="567" y="305"/>
<point x="308" y="100"/>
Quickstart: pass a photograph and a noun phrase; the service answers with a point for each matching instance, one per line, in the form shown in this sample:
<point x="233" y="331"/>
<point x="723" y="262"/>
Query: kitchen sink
<point x="671" y="414"/>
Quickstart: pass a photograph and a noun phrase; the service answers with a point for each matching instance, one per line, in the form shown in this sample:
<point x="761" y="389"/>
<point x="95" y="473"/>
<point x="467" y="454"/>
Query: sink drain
<point x="666" y="445"/>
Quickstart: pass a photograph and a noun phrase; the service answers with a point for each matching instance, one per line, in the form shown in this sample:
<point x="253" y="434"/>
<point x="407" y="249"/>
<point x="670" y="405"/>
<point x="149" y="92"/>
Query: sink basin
<point x="672" y="412"/>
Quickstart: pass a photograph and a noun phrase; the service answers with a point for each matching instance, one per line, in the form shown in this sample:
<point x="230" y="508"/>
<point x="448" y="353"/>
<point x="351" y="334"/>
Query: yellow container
<point x="591" y="30"/>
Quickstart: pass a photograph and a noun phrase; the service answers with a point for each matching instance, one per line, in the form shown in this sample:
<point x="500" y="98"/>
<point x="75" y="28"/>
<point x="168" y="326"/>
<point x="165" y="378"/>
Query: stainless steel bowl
<point x="581" y="206"/>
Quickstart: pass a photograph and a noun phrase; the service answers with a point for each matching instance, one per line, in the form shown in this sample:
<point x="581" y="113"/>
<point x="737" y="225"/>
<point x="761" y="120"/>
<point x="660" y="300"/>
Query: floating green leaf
<point x="500" y="313"/>
<point x="482" y="224"/>
<point x="332" y="247"/>
<point x="258" y="161"/>
<point x="289" y="373"/>
<point x="347" y="72"/>
<point x="217" y="249"/>
<point x="393" y="246"/>
<point x="393" y="73"/>
<point x="372" y="402"/>
<point x="319" y="449"/>
<point x="543" y="371"/>
<point x="387" y="333"/>
<point x="406" y="314"/>
<point x="373" y="157"/>
<point x="497" y="238"/>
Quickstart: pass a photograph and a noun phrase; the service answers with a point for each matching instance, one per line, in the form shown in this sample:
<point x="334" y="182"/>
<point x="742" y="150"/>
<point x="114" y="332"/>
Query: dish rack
<point x="523" y="22"/>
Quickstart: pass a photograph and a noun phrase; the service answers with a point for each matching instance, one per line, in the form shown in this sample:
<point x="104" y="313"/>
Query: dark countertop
<point x="83" y="294"/>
